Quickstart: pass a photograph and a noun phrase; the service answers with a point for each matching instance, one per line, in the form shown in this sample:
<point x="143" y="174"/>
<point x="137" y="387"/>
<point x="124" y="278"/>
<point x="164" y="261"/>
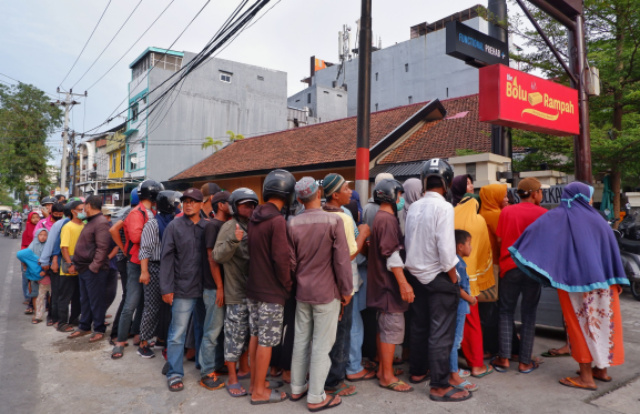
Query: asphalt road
<point x="41" y="371"/>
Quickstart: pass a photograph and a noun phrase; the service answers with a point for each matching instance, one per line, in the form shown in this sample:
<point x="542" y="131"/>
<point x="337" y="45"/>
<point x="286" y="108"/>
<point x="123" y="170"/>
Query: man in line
<point x="211" y="356"/>
<point x="324" y="284"/>
<point x="431" y="261"/>
<point x="47" y="221"/>
<point x="232" y="251"/>
<point x="69" y="285"/>
<point x="270" y="280"/>
<point x="514" y="282"/>
<point x="208" y="191"/>
<point x="181" y="278"/>
<point x="91" y="259"/>
<point x="337" y="194"/>
<point x="48" y="258"/>
<point x="133" y="226"/>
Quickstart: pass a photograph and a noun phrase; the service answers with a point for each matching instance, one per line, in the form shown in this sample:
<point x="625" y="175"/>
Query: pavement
<point x="41" y="371"/>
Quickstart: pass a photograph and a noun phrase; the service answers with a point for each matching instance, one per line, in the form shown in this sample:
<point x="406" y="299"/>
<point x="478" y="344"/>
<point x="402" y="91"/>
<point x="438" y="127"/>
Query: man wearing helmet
<point x="50" y="215"/>
<point x="431" y="260"/>
<point x="133" y="225"/>
<point x="269" y="282"/>
<point x="232" y="251"/>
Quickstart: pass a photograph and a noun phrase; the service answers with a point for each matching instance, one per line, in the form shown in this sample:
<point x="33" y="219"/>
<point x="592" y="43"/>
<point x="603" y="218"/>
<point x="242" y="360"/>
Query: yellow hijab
<point x="491" y="197"/>
<point x="480" y="261"/>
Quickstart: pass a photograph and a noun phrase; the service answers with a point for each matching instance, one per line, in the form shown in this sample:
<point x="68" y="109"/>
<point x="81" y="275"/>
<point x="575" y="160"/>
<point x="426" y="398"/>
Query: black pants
<point x="68" y="292"/>
<point x="370" y="324"/>
<point x="111" y="288"/>
<point x="281" y="354"/>
<point x="55" y="287"/>
<point x="340" y="352"/>
<point x="433" y="328"/>
<point x="512" y="285"/>
<point x="122" y="270"/>
<point x="489" y="321"/>
<point x="92" y="295"/>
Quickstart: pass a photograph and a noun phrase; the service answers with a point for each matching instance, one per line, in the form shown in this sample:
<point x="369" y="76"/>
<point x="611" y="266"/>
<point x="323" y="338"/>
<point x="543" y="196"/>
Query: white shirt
<point x="430" y="237"/>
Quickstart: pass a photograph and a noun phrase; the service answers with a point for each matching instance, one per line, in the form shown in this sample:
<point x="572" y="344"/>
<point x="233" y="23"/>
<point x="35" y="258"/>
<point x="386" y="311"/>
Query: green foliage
<point x="209" y="142"/>
<point x="7" y="200"/>
<point x="26" y="119"/>
<point x="461" y="152"/>
<point x="234" y="137"/>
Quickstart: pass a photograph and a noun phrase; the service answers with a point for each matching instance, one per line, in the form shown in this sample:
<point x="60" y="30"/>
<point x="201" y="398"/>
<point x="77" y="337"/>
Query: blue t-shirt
<point x="461" y="269"/>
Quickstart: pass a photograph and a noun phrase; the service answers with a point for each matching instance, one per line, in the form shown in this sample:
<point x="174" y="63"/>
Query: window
<point x="308" y="98"/>
<point x="134" y="112"/>
<point x="406" y="67"/>
<point x="327" y="92"/>
<point x="376" y="76"/>
<point x="122" y="160"/>
<point x="339" y="96"/>
<point x="471" y="170"/>
<point x="376" y="107"/>
<point x="133" y="162"/>
<point x="166" y="62"/>
<point x="225" y="76"/>
<point x="410" y="99"/>
<point x="113" y="162"/>
<point x="447" y="92"/>
<point x="260" y="78"/>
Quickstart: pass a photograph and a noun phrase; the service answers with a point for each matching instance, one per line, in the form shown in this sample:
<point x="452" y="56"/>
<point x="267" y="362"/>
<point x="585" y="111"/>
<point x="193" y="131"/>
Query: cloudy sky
<point x="41" y="39"/>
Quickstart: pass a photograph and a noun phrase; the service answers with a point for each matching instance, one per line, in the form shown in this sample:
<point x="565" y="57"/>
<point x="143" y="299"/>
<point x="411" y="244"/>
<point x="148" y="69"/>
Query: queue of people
<point x="312" y="288"/>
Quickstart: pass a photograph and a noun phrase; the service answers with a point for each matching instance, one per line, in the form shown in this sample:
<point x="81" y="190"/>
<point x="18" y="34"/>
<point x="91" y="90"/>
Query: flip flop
<point x="235" y="386"/>
<point x="366" y="376"/>
<point x="484" y="374"/>
<point x="553" y="353"/>
<point x="244" y="376"/>
<point x="36" y="321"/>
<point x="274" y="397"/>
<point x="424" y="379"/>
<point x="530" y="370"/>
<point x="96" y="337"/>
<point x="448" y="396"/>
<point x="300" y="396"/>
<point x="117" y="352"/>
<point x="573" y="384"/>
<point x="465" y="386"/>
<point x="394" y="386"/>
<point x="342" y="387"/>
<point x="326" y="406"/>
<point x="277" y="374"/>
<point x="497" y="367"/>
<point x="599" y="379"/>
<point x="78" y="334"/>
<point x="463" y="373"/>
<point x="175" y="381"/>
<point x="273" y="384"/>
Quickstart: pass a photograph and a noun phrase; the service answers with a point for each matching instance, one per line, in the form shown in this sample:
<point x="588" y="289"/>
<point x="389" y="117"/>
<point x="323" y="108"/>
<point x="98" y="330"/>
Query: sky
<point x="41" y="39"/>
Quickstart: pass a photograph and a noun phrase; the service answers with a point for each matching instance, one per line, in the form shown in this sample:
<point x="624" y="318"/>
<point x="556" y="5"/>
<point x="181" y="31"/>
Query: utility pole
<point x="500" y="136"/>
<point x="72" y="168"/>
<point x="68" y="105"/>
<point x="364" y="101"/>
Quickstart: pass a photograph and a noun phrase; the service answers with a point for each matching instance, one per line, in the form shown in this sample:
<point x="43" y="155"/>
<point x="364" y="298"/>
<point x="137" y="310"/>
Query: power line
<point x="108" y="44"/>
<point x="135" y="43"/>
<point x="86" y="43"/>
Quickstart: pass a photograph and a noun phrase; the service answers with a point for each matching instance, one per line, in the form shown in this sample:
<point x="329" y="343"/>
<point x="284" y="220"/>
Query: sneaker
<point x="211" y="382"/>
<point x="145" y="352"/>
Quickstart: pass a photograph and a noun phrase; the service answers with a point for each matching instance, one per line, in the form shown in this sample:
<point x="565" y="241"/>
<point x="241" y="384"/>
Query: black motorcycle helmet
<point x="279" y="183"/>
<point x="437" y="167"/>
<point x="386" y="191"/>
<point x="149" y="190"/>
<point x="241" y="194"/>
<point x="165" y="202"/>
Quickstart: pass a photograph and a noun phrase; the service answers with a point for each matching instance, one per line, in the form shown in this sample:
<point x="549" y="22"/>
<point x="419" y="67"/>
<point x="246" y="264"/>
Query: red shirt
<point x="512" y="223"/>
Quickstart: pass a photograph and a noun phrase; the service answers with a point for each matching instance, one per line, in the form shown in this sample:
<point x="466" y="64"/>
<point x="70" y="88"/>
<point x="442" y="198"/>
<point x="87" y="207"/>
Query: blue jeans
<point x="181" y="311"/>
<point x="453" y="358"/>
<point x="132" y="302"/>
<point x="357" y="335"/>
<point x="209" y="356"/>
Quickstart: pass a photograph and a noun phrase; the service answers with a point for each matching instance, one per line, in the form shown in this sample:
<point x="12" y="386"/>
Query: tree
<point x="613" y="42"/>
<point x="234" y="137"/>
<point x="26" y="119"/>
<point x="209" y="142"/>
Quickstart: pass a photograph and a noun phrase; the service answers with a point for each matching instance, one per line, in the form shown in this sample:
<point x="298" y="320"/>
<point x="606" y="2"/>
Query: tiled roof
<point x="327" y="142"/>
<point x="335" y="141"/>
<point x="441" y="138"/>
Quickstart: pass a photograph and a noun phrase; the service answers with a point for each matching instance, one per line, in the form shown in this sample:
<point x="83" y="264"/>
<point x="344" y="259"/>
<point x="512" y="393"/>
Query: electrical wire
<point x="86" y="43"/>
<point x="108" y="44"/>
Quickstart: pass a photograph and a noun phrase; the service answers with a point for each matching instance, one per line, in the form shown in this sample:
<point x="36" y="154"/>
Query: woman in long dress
<point x="572" y="249"/>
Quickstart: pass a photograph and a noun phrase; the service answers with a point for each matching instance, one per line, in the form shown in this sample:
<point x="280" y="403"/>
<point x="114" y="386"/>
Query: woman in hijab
<point x="572" y="249"/>
<point x="461" y="187"/>
<point x="479" y="268"/>
<point x="27" y="238"/>
<point x="412" y="193"/>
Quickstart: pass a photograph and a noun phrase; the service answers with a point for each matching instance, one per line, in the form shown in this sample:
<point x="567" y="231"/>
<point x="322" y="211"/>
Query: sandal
<point x="236" y="386"/>
<point x="569" y="382"/>
<point x="117" y="352"/>
<point x="448" y="397"/>
<point x="395" y="385"/>
<point x="96" y="337"/>
<point x="299" y="396"/>
<point x="466" y="385"/>
<point x="342" y="387"/>
<point x="28" y="311"/>
<point x="329" y="404"/>
<point x="499" y="368"/>
<point x="78" y="334"/>
<point x="420" y="381"/>
<point x="49" y="322"/>
<point x="534" y="366"/>
<point x="363" y="377"/>
<point x="488" y="370"/>
<point x="171" y="383"/>
<point x="553" y="353"/>
<point x="274" y="397"/>
<point x="65" y="328"/>
<point x="36" y="321"/>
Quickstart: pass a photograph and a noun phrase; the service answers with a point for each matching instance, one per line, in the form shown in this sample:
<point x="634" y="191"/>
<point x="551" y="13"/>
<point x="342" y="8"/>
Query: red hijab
<point x="27" y="234"/>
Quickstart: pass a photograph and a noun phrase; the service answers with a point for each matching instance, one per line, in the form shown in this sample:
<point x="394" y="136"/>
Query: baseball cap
<point x="306" y="187"/>
<point x="220" y="196"/>
<point x="332" y="183"/>
<point x="529" y="185"/>
<point x="210" y="189"/>
<point x="192" y="193"/>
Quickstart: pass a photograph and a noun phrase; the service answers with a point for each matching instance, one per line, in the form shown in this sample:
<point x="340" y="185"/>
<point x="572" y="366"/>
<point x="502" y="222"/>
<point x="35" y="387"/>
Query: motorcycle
<point x="6" y="225"/>
<point x="15" y="229"/>
<point x="628" y="236"/>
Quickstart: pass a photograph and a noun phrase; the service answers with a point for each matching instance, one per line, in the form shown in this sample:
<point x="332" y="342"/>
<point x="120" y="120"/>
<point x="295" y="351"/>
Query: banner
<point x="516" y="99"/>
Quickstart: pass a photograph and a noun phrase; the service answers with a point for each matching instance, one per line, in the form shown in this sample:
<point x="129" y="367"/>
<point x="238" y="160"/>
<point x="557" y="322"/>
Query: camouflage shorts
<point x="265" y="322"/>
<point x="236" y="331"/>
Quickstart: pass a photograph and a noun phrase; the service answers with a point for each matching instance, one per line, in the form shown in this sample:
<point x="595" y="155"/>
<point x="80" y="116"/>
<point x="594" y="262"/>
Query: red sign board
<point x="516" y="99"/>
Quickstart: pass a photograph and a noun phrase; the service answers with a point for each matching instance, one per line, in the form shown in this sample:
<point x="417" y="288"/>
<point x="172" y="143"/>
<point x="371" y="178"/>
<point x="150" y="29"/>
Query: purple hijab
<point x="571" y="247"/>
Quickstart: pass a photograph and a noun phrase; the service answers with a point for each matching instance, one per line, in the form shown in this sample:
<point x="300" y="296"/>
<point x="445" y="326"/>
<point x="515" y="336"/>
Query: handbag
<point x="491" y="294"/>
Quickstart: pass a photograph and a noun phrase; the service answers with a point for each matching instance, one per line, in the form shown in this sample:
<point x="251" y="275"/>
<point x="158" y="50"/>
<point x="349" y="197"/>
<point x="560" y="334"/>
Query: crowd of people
<point x="316" y="289"/>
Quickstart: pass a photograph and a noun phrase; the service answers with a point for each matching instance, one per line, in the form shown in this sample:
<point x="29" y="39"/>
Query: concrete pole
<point x="364" y="102"/>
<point x="65" y="137"/>
<point x="582" y="142"/>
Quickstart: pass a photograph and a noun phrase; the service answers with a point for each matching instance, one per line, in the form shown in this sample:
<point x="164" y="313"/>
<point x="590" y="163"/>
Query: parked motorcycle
<point x="628" y="236"/>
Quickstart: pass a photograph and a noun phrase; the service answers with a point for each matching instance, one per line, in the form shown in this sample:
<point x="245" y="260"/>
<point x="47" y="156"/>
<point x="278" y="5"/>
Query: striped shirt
<point x="150" y="244"/>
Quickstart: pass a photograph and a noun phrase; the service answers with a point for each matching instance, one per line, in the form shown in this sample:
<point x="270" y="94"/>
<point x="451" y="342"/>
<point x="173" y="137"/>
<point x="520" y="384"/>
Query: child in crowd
<point x="463" y="249"/>
<point x="39" y="282"/>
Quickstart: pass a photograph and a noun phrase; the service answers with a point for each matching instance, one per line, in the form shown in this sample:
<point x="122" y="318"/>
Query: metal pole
<point x="582" y="142"/>
<point x="500" y="137"/>
<point x="65" y="137"/>
<point x="364" y="101"/>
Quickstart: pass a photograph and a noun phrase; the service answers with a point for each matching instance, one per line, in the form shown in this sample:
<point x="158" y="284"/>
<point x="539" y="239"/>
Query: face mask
<point x="82" y="216"/>
<point x="56" y="218"/>
<point x="400" y="205"/>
